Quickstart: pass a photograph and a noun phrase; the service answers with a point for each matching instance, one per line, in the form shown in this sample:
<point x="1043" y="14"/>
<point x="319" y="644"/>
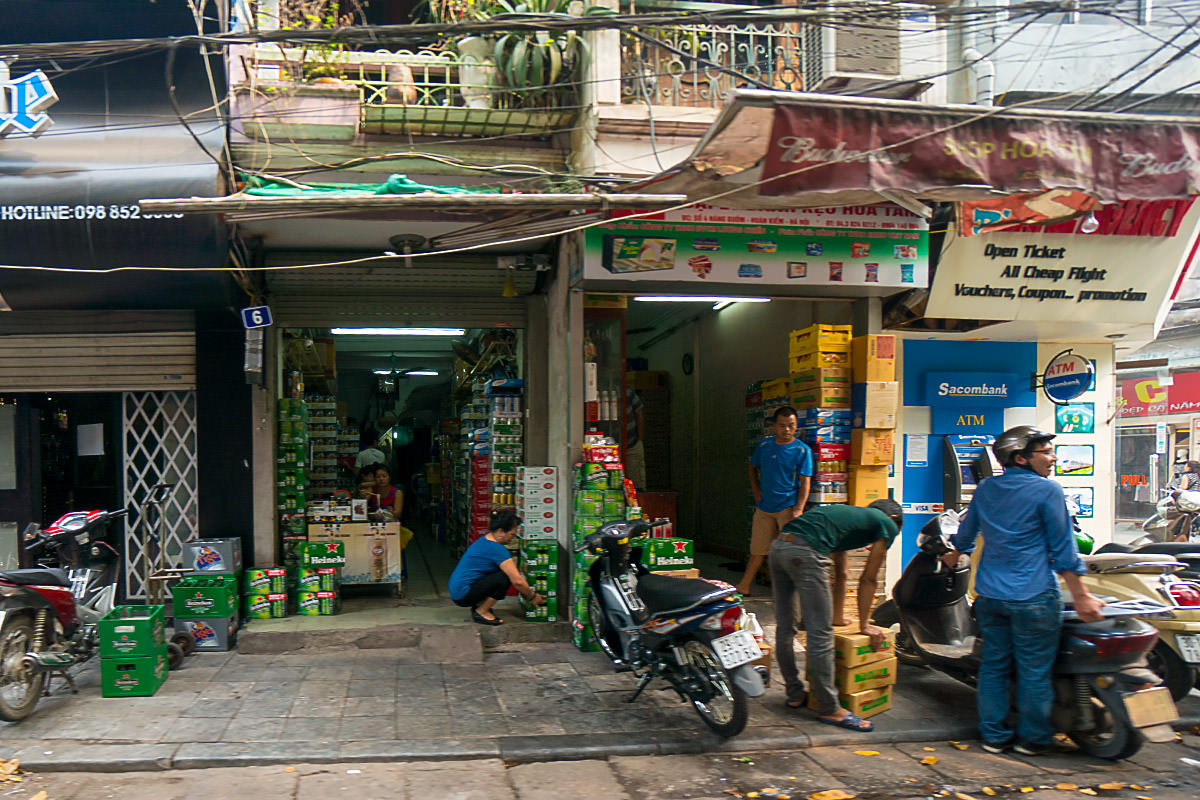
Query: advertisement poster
<point x="1074" y="459"/>
<point x="881" y="245"/>
<point x="1083" y="497"/>
<point x="1075" y="418"/>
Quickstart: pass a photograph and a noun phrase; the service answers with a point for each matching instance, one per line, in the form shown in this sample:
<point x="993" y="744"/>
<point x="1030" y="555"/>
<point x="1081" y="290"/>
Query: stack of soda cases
<point x="317" y="590"/>
<point x="292" y="459"/>
<point x="819" y="386"/>
<point x="264" y="593"/>
<point x="539" y="564"/>
<point x="537" y="502"/>
<point x="506" y="427"/>
<point x="470" y="491"/>
<point x="216" y="569"/>
<point x="133" y="651"/>
<point x="598" y="496"/>
<point x="323" y="436"/>
<point x="480" y="496"/>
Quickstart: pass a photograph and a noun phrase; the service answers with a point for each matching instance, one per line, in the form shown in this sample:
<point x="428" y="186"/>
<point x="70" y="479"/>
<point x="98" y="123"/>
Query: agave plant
<point x="536" y="63"/>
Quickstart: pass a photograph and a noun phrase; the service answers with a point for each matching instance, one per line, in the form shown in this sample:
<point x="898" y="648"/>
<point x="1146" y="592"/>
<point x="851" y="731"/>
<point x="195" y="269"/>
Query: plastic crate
<point x="205" y="596"/>
<point x="133" y="676"/>
<point x="131" y="631"/>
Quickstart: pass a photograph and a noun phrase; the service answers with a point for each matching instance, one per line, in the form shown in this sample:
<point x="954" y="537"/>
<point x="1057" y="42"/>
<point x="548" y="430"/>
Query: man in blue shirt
<point x="1025" y="524"/>
<point x="780" y="473"/>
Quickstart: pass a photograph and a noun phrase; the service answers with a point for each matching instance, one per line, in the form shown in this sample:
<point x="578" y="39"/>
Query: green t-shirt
<point x="834" y="528"/>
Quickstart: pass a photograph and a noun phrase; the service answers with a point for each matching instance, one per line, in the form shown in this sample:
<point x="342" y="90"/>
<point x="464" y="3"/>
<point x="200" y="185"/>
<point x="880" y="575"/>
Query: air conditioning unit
<point x="845" y="55"/>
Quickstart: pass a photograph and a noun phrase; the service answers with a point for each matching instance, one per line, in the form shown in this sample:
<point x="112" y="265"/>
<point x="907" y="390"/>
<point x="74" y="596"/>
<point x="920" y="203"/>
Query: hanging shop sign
<point x="873" y="246"/>
<point x="1090" y="281"/>
<point x="816" y="147"/>
<point x="971" y="402"/>
<point x="23" y="102"/>
<point x="1146" y="397"/>
<point x="1067" y="376"/>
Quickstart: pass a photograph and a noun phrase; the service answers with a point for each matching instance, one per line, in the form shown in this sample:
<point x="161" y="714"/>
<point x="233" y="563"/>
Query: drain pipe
<point x="985" y="75"/>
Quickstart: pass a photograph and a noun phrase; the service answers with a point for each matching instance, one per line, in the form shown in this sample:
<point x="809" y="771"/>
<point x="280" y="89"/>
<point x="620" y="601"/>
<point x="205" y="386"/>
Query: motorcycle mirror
<point x="31" y="532"/>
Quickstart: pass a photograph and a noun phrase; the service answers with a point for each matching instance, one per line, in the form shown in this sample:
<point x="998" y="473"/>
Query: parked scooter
<point x="1176" y="518"/>
<point x="691" y="633"/>
<point x="1104" y="698"/>
<point x="48" y="614"/>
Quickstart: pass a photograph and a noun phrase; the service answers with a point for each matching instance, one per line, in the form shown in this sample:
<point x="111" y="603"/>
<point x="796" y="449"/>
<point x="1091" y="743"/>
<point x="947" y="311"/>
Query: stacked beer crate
<point x="864" y="674"/>
<point x="264" y="593"/>
<point x="819" y="366"/>
<point x="537" y="505"/>
<point x="133" y="651"/>
<point x="205" y="601"/>
<point x="539" y="564"/>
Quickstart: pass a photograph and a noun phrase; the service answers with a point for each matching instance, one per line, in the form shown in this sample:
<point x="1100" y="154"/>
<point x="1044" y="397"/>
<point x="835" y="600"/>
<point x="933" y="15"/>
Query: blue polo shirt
<point x="1027" y="530"/>
<point x="483" y="557"/>
<point x="781" y="466"/>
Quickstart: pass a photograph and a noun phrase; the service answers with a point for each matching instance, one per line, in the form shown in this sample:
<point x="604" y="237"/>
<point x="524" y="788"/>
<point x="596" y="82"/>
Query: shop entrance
<point x="398" y="426"/>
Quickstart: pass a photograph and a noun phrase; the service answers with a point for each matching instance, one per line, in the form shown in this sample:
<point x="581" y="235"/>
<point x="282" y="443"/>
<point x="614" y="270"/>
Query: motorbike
<point x="692" y="633"/>
<point x="1105" y="699"/>
<point x="49" y="613"/>
<point x="1176" y="518"/>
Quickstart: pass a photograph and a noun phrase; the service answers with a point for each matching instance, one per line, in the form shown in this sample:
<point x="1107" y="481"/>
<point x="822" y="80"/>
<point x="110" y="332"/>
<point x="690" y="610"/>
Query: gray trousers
<point x="799" y="573"/>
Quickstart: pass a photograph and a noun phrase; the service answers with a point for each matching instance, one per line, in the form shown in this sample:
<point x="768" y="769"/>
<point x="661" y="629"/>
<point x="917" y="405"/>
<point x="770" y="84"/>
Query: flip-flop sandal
<point x="851" y="721"/>
<point x="796" y="705"/>
<point x="482" y="620"/>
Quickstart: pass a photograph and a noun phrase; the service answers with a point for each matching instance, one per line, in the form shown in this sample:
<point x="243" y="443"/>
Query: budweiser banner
<point x="816" y="148"/>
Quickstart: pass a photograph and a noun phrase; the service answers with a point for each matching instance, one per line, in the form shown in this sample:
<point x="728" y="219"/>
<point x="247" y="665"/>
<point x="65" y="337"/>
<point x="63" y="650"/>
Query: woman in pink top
<point x="376" y="483"/>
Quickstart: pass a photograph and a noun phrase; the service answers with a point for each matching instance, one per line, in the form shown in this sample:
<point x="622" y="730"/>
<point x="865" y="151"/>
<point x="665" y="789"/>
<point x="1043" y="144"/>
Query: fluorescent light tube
<point x="398" y="331"/>
<point x="688" y="298"/>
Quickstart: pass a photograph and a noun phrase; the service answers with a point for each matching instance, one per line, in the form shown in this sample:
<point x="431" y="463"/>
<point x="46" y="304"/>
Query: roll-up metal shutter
<point x="121" y="362"/>
<point x="463" y="292"/>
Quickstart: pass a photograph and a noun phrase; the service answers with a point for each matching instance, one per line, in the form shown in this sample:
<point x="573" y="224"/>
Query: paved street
<point x="936" y="769"/>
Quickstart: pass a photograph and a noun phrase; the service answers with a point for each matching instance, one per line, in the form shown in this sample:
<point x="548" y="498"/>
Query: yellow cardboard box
<point x="819" y="338"/>
<point x="871" y="675"/>
<point x="815" y="378"/>
<point x="865" y="704"/>
<point x="817" y="360"/>
<point x="854" y="649"/>
<point x="823" y="397"/>
<point x="871" y="447"/>
<point x="873" y="358"/>
<point x="867" y="484"/>
<point x="874" y="404"/>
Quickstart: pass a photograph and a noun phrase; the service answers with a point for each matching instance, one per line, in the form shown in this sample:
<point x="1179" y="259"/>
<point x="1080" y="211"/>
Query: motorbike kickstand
<point x="642" y="684"/>
<point x="66" y="676"/>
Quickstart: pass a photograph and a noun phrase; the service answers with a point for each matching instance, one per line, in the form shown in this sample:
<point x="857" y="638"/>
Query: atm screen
<point x="968" y="477"/>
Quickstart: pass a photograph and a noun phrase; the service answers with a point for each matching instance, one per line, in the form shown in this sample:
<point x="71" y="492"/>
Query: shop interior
<point x="407" y="400"/>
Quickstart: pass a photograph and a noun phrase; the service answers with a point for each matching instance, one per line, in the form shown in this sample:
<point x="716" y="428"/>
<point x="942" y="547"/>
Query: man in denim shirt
<point x="1024" y="521"/>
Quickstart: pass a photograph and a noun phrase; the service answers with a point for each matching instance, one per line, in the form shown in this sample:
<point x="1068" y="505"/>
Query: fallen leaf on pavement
<point x="733" y="792"/>
<point x="9" y="767"/>
<point x="959" y="745"/>
<point x="831" y="794"/>
<point x="39" y="796"/>
<point x="962" y="796"/>
<point x="290" y="769"/>
<point x="929" y="749"/>
<point x="1114" y="786"/>
<point x="1065" y="787"/>
<point x="1196" y="729"/>
<point x="1091" y="792"/>
<point x="1026" y="789"/>
<point x="989" y="791"/>
<point x="929" y="760"/>
<point x="751" y="794"/>
<point x="866" y="752"/>
<point x="1139" y="797"/>
<point x="742" y="759"/>
<point x="911" y="780"/>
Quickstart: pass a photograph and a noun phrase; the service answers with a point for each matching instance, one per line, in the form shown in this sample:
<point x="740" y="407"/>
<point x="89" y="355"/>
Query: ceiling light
<point x="398" y="331"/>
<point x="422" y="372"/>
<point x="1090" y="224"/>
<point x="696" y="298"/>
<point x="405" y="372"/>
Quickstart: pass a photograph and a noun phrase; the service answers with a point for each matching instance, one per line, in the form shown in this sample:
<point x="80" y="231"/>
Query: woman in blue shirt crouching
<point x="487" y="570"/>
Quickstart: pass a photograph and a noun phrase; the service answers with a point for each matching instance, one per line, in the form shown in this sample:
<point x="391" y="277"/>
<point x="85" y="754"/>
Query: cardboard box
<point x="817" y="360"/>
<point x="825" y="376"/>
<point x="873" y="404"/>
<point x="871" y="675"/>
<point x="823" y="397"/>
<point x="833" y="452"/>
<point x="873" y="358"/>
<point x="867" y="484"/>
<point x="667" y="554"/>
<point x="764" y="662"/>
<point x="825" y="416"/>
<point x="871" y="447"/>
<point x="854" y="649"/>
<point x="819" y="338"/>
<point x="865" y="704"/>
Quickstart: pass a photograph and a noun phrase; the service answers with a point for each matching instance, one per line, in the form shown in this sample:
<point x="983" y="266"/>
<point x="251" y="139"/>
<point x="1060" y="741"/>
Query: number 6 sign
<point x="256" y="317"/>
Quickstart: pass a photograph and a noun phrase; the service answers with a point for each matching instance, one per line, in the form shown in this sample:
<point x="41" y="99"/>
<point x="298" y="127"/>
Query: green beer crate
<point x="205" y="596"/>
<point x="325" y="553"/>
<point x="318" y="579"/>
<point x="315" y="604"/>
<point x="131" y="631"/>
<point x="543" y="613"/>
<point x="264" y="579"/>
<point x="265" y="605"/>
<point x="665" y="554"/>
<point x="133" y="676"/>
<point x="582" y="636"/>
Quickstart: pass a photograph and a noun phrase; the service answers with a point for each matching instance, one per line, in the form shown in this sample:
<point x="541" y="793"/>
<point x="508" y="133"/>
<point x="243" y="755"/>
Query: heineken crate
<point x="314" y="604"/>
<point x="264" y="579"/>
<point x="204" y="596"/>
<point x="582" y="636"/>
<point x="543" y="613"/>
<point x="213" y="556"/>
<point x="545" y="584"/>
<point x="264" y="605"/>
<point x="212" y="635"/>
<point x="666" y="554"/>
<point x="318" y="579"/>
<point x="326" y="553"/>
<point x="131" y="631"/>
<point x="133" y="676"/>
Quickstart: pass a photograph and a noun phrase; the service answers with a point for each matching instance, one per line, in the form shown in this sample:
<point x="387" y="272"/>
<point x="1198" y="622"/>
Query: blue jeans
<point x="799" y="573"/>
<point x="1022" y="634"/>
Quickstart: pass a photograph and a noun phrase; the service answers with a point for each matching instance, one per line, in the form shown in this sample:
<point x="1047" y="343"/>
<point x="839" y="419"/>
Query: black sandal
<point x="482" y="620"/>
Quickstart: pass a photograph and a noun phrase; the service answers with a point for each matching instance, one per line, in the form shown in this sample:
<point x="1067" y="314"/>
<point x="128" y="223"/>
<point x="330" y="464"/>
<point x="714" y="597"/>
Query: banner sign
<point x="877" y="245"/>
<point x="1086" y="280"/>
<point x="819" y="148"/>
<point x="27" y="98"/>
<point x="973" y="389"/>
<point x="1146" y="397"/>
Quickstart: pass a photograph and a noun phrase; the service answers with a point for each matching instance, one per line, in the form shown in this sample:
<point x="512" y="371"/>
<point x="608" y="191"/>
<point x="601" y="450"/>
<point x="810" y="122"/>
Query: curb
<point x="513" y="749"/>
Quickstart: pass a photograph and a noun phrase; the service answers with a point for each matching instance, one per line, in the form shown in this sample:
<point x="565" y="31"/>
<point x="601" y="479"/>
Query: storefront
<point x="1158" y="431"/>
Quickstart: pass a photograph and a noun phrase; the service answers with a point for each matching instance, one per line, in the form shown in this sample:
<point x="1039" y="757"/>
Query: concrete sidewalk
<point x="517" y="702"/>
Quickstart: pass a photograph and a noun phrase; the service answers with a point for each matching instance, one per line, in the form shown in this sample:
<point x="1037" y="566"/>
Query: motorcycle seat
<point x="38" y="576"/>
<point x="661" y="593"/>
<point x="1130" y="562"/>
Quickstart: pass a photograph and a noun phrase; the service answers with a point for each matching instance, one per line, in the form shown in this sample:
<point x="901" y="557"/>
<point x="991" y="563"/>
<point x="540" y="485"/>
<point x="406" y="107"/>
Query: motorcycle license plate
<point x="736" y="649"/>
<point x="1148" y="707"/>
<point x="1189" y="647"/>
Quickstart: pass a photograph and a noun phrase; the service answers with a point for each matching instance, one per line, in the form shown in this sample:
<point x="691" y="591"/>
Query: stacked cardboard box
<point x="506" y="415"/>
<point x="214" y="627"/>
<point x="874" y="400"/>
<point x="864" y="675"/>
<point x="264" y="593"/>
<point x="539" y="561"/>
<point x="818" y="359"/>
<point x="133" y="651"/>
<point x="292" y="456"/>
<point x="323" y="438"/>
<point x="537" y="502"/>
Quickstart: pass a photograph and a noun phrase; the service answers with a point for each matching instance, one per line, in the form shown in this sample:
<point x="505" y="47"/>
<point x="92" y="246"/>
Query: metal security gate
<point x="159" y="436"/>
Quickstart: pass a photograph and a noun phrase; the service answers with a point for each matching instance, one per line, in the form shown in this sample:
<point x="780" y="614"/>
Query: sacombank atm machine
<point x="966" y="460"/>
